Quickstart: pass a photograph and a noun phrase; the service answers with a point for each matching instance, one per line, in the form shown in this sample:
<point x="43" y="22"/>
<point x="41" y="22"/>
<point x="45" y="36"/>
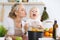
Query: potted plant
<point x="3" y="32"/>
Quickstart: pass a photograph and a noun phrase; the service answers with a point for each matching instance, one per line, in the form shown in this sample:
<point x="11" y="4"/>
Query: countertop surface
<point x="45" y="38"/>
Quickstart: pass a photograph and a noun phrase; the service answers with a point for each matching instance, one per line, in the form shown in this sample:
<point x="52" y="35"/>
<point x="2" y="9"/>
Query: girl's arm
<point x="41" y="26"/>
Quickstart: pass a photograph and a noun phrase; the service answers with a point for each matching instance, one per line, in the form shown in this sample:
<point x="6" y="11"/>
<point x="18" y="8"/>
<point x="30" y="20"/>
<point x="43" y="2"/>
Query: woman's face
<point x="34" y="13"/>
<point x="21" y="11"/>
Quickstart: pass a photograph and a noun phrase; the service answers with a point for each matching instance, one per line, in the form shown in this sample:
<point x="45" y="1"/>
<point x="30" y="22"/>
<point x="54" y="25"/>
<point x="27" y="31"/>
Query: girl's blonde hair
<point x="34" y="8"/>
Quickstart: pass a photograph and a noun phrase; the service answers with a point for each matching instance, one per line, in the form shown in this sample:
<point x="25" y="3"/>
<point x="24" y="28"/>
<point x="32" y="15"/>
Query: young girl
<point x="34" y="19"/>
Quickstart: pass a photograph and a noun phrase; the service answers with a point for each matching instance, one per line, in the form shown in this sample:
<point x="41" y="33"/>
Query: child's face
<point x="34" y="13"/>
<point x="21" y="11"/>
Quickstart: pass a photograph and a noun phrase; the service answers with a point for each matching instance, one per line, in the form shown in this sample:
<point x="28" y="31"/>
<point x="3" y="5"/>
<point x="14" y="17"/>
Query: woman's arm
<point x="9" y="25"/>
<point x="26" y="27"/>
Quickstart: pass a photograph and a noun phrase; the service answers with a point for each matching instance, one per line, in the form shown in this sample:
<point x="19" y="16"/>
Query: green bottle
<point x="24" y="0"/>
<point x="45" y="15"/>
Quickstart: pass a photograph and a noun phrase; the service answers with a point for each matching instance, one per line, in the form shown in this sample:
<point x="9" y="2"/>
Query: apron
<point x="18" y="31"/>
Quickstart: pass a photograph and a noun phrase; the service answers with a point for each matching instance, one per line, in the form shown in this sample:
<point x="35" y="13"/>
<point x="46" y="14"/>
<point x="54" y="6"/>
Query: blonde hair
<point x="13" y="10"/>
<point x="34" y="8"/>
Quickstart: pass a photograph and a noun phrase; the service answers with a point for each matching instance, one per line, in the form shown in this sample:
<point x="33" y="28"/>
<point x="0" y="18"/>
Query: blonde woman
<point x="14" y="23"/>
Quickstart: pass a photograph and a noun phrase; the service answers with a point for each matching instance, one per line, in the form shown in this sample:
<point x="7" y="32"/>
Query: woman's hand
<point x="26" y="27"/>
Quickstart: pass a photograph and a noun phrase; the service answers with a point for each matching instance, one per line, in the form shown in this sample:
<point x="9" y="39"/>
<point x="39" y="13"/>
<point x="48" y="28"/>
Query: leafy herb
<point x="3" y="31"/>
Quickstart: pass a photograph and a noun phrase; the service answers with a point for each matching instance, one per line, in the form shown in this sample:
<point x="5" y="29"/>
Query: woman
<point x="14" y="22"/>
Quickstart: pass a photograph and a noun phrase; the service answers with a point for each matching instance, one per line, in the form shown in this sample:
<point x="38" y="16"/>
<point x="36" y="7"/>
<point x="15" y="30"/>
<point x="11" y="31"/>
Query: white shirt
<point x="9" y="24"/>
<point x="33" y="22"/>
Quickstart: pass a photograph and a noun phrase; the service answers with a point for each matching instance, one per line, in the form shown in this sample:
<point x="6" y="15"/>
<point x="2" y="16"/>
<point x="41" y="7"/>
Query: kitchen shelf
<point x="27" y="3"/>
<point x="12" y="3"/>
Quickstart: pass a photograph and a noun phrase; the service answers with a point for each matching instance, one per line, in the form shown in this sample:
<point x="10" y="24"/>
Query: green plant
<point x="44" y="15"/>
<point x="3" y="31"/>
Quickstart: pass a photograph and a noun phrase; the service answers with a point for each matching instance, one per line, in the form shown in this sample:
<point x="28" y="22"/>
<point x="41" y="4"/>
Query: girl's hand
<point x="41" y="28"/>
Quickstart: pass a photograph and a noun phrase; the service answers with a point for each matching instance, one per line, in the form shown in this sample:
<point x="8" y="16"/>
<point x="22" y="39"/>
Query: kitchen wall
<point x="53" y="9"/>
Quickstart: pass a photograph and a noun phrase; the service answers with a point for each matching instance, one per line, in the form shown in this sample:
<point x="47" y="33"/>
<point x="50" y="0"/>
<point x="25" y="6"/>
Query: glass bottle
<point x="24" y="0"/>
<point x="55" y="25"/>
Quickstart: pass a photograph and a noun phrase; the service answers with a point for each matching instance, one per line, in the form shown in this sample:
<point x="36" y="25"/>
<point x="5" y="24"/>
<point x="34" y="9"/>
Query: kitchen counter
<point x="46" y="39"/>
<point x="39" y="39"/>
